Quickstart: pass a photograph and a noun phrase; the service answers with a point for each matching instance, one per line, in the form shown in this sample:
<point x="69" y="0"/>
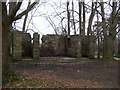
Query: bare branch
<point x="15" y="9"/>
<point x="19" y="16"/>
<point x="52" y="24"/>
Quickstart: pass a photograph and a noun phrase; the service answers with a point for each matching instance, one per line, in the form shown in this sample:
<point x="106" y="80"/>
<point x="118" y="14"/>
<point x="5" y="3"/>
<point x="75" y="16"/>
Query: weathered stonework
<point x="17" y="45"/>
<point x="26" y="45"/>
<point x="91" y="47"/>
<point x="36" y="52"/>
<point x="74" y="45"/>
<point x="53" y="45"/>
<point x="23" y="47"/>
<point x="85" y="46"/>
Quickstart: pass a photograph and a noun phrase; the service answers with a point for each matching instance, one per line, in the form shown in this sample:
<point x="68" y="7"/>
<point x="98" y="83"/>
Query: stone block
<point x="17" y="45"/>
<point x="53" y="45"/>
<point x="92" y="44"/>
<point x="26" y="45"/>
<point x="36" y="51"/>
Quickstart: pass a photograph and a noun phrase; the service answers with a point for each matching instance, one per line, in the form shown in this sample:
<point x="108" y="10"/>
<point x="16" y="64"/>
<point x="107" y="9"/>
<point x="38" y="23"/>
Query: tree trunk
<point x="80" y="18"/>
<point x="7" y="19"/>
<point x="109" y="40"/>
<point x="5" y="46"/>
<point x="119" y="45"/>
<point x="104" y="32"/>
<point x="25" y="19"/>
<point x="83" y="31"/>
<point x="98" y="49"/>
<point x="89" y="31"/>
<point x="73" y="18"/>
<point x="109" y="49"/>
<point x="68" y="16"/>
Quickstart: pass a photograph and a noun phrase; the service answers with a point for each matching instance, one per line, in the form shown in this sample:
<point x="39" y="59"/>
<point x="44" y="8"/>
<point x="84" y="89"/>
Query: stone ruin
<point x="52" y="45"/>
<point x="23" y="46"/>
<point x="73" y="46"/>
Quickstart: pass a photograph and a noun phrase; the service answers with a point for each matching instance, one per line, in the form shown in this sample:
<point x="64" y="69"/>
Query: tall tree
<point x="83" y="31"/>
<point x="7" y="20"/>
<point x="80" y="6"/>
<point x="25" y="19"/>
<point x="73" y="18"/>
<point x="94" y="7"/>
<point x="98" y="37"/>
<point x="68" y="16"/>
<point x="109" y="31"/>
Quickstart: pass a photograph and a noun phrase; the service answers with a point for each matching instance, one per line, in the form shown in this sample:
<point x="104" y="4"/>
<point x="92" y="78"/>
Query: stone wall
<point x="36" y="51"/>
<point x="75" y="46"/>
<point x="53" y="45"/>
<point x="91" y="47"/>
<point x="23" y="47"/>
<point x="26" y="45"/>
<point x="17" y="45"/>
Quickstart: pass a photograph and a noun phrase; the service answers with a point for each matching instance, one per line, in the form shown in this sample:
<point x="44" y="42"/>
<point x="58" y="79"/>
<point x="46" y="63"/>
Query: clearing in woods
<point x="69" y="72"/>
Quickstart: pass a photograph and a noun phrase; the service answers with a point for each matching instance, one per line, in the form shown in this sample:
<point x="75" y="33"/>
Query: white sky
<point x="39" y="23"/>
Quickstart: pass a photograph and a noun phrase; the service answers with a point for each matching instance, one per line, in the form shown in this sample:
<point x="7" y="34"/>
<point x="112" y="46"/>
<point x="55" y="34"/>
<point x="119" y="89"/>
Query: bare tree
<point x="25" y="19"/>
<point x="7" y="20"/>
<point x="52" y="24"/>
<point x="73" y="18"/>
<point x="83" y="18"/>
<point x="68" y="16"/>
<point x="80" y="6"/>
<point x="109" y="31"/>
<point x="94" y="7"/>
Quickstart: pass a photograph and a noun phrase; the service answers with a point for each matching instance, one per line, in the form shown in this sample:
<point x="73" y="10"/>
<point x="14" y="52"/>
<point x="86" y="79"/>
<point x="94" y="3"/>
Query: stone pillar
<point x="26" y="45"/>
<point x="79" y="43"/>
<point x="85" y="46"/>
<point x="17" y="45"/>
<point x="92" y="43"/>
<point x="75" y="48"/>
<point x="36" y="52"/>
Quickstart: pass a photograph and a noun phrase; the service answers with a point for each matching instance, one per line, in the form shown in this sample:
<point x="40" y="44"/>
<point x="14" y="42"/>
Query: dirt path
<point x="77" y="73"/>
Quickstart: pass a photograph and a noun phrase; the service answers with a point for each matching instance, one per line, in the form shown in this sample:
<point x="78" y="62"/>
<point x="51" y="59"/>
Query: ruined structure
<point x="17" y="45"/>
<point x="52" y="45"/>
<point x="75" y="46"/>
<point x="26" y="45"/>
<point x="23" y="46"/>
<point x="36" y="52"/>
